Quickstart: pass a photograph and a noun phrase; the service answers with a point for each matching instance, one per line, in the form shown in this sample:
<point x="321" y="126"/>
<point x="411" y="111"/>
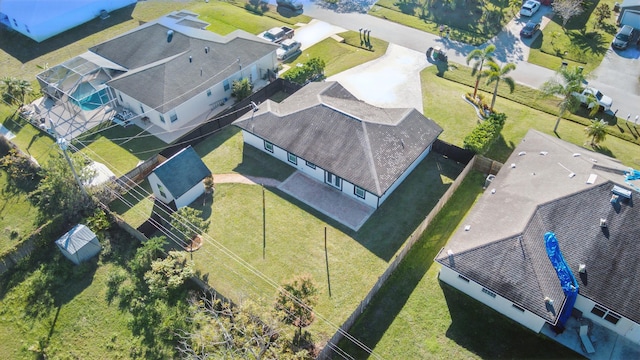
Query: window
<point x="310" y="164"/>
<point x="161" y="191"/>
<point x="489" y="292"/>
<point x="517" y="307"/>
<point x="162" y="119"/>
<point x="292" y="158"/>
<point x="174" y="117"/>
<point x="599" y="311"/>
<point x="359" y="191"/>
<point x="208" y="92"/>
<point x="463" y="278"/>
<point x="268" y="146"/>
<point x="226" y="85"/>
<point x="612" y="317"/>
<point x="334" y="180"/>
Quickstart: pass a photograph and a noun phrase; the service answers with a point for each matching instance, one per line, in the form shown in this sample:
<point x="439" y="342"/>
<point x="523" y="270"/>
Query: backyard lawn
<point x="415" y="316"/>
<point x="295" y="232"/>
<point x="17" y="216"/>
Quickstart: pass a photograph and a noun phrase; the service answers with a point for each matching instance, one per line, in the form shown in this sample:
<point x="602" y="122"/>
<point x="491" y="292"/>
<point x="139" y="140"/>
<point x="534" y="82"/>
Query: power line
<point x="259" y="274"/>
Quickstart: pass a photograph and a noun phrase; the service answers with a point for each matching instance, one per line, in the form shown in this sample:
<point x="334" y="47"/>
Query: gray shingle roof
<point x="182" y="171"/>
<point x="326" y="125"/>
<point x="506" y="253"/>
<point x="160" y="74"/>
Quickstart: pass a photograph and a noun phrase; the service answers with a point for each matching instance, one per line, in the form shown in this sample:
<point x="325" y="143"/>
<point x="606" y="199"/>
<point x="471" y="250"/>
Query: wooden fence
<point x="327" y="351"/>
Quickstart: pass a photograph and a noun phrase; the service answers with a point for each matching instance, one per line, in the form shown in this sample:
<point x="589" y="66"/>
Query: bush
<point x="312" y="70"/>
<point x="485" y="134"/>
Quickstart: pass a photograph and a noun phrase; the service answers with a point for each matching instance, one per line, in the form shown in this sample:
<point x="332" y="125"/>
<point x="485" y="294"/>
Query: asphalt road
<point x="617" y="76"/>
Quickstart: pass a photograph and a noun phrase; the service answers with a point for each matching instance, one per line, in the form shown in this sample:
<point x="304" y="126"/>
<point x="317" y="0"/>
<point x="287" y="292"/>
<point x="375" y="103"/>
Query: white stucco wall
<point x="624" y="327"/>
<point x="154" y="181"/>
<point x="498" y="303"/>
<point x="47" y="18"/>
<point x="200" y="104"/>
<point x="405" y="174"/>
<point x="318" y="173"/>
<point x="190" y="196"/>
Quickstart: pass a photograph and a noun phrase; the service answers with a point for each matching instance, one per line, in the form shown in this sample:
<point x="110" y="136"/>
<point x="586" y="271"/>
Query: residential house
<point x="170" y="72"/>
<point x="629" y="13"/>
<point x="179" y="180"/>
<point x="327" y="133"/>
<point x="42" y="19"/>
<point x="502" y="255"/>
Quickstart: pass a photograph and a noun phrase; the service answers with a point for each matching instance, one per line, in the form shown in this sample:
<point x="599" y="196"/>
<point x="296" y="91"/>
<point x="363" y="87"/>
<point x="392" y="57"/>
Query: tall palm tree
<point x="495" y="73"/>
<point x="597" y="130"/>
<point x="569" y="83"/>
<point x="14" y="91"/>
<point x="480" y="56"/>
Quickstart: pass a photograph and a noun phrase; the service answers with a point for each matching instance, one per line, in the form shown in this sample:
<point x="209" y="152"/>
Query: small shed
<point x="630" y="13"/>
<point x="180" y="179"/>
<point x="79" y="244"/>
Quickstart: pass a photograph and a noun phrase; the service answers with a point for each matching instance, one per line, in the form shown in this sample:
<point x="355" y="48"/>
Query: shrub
<point x="484" y="135"/>
<point x="312" y="70"/>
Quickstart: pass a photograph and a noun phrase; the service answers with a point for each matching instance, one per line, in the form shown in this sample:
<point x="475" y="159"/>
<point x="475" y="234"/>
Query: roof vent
<point x="169" y="35"/>
<point x="522" y="153"/>
<point x="614" y="199"/>
<point x="543" y="153"/>
<point x="190" y="58"/>
<point x="548" y="300"/>
<point x="582" y="268"/>
<point x="206" y="49"/>
<point x="603" y="223"/>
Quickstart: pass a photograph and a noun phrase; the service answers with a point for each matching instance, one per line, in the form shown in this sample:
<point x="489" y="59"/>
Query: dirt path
<point x="242" y="179"/>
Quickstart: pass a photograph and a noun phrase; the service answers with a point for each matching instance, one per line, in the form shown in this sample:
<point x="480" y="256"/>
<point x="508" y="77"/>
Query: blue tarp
<point x="568" y="282"/>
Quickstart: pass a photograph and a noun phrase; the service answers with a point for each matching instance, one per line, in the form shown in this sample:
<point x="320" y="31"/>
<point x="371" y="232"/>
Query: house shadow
<point x="490" y="335"/>
<point x="25" y="49"/>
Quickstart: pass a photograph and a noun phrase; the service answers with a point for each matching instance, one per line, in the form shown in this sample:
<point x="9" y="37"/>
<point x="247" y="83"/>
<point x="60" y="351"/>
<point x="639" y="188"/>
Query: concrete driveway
<point x="391" y="81"/>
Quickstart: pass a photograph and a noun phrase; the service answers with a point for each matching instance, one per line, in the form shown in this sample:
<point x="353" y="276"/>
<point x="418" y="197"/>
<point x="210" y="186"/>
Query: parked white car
<point x="287" y="49"/>
<point x="529" y="8"/>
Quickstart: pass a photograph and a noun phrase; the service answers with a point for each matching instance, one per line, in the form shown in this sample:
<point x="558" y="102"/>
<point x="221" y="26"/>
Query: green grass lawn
<point x="80" y="324"/>
<point x="582" y="43"/>
<point x="415" y="316"/>
<point x="458" y="118"/>
<point x="341" y="56"/>
<point x="295" y="232"/>
<point x="473" y="22"/>
<point x="17" y="216"/>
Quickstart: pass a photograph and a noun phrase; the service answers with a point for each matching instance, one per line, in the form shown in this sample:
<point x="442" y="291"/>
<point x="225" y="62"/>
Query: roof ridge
<point x="369" y="155"/>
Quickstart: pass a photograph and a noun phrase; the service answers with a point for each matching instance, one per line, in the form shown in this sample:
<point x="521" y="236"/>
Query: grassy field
<point x="582" y="43"/>
<point x="415" y="316"/>
<point x="473" y="22"/>
<point x="295" y="232"/>
<point x="80" y="324"/>
<point x="458" y="118"/>
<point x="17" y="216"/>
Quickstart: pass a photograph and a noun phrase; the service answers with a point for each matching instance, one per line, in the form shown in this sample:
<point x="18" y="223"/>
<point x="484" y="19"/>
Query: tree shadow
<point x="603" y="150"/>
<point x="591" y="41"/>
<point x="25" y="49"/>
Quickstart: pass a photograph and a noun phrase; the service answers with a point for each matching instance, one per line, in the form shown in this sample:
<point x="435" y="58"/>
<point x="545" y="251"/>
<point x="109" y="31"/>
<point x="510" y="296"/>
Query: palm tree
<point x="597" y="130"/>
<point x="495" y="73"/>
<point x="566" y="87"/>
<point x="14" y="91"/>
<point x="480" y="56"/>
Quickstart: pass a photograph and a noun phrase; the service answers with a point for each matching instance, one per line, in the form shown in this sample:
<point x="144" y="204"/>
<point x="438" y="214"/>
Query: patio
<point x="607" y="344"/>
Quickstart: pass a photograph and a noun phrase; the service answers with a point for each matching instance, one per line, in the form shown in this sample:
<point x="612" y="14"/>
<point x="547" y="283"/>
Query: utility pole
<point x="62" y="143"/>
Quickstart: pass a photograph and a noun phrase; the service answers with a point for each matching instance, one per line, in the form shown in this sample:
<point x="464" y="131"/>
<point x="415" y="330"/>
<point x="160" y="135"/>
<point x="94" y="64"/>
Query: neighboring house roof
<point x="163" y="74"/>
<point x="181" y="172"/>
<point x="325" y="124"/>
<point x="504" y="249"/>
